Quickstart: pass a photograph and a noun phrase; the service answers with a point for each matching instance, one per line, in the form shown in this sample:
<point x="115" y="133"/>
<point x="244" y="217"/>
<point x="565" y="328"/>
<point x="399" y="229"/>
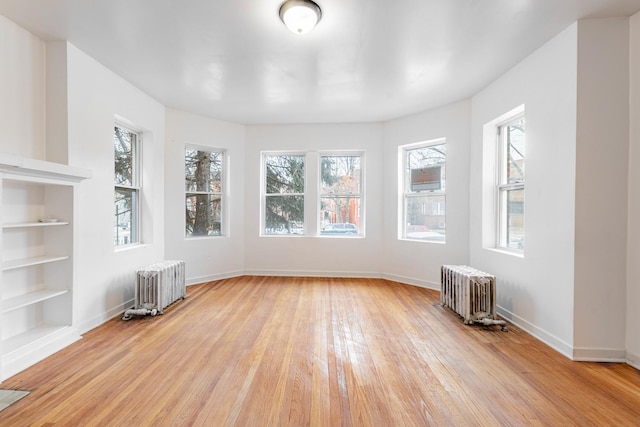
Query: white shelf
<point x="27" y="262"/>
<point x="15" y="303"/>
<point x="30" y="337"/>
<point x="40" y="168"/>
<point x="32" y="224"/>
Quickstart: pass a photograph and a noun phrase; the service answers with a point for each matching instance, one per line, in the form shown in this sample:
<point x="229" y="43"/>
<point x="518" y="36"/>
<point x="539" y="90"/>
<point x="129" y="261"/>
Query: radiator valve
<point x="487" y="321"/>
<point x="128" y="314"/>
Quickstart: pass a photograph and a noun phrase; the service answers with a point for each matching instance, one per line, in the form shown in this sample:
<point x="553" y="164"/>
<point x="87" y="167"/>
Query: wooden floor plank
<point x="274" y="351"/>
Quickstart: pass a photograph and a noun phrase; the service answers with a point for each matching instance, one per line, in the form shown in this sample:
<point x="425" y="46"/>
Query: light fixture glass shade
<point x="300" y="16"/>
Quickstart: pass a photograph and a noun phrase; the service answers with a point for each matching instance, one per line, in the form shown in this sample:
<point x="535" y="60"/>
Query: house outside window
<point x="204" y="192"/>
<point x="423" y="210"/>
<point x="511" y="183"/>
<point x="127" y="185"/>
<point x="341" y="194"/>
<point x="284" y="193"/>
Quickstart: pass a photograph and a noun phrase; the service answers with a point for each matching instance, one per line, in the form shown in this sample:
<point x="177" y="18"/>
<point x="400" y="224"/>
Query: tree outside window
<point x="203" y="192"/>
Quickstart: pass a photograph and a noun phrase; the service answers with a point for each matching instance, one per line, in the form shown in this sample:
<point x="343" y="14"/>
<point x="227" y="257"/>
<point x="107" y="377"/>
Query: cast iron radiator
<point x="156" y="287"/>
<point x="471" y="293"/>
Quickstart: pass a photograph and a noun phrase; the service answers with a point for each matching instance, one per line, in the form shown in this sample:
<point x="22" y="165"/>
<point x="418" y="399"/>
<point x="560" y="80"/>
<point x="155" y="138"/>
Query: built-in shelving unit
<point x="37" y="286"/>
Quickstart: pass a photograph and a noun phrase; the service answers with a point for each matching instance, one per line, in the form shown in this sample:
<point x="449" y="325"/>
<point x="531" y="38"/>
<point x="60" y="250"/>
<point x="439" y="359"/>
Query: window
<point x="424" y="201"/>
<point x="204" y="172"/>
<point x="511" y="159"/>
<point x="340" y="194"/>
<point x="284" y="182"/>
<point x="127" y="185"/>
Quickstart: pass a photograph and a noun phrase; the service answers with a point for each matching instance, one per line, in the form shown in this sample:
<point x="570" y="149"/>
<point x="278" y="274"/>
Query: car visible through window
<point x="340" y="228"/>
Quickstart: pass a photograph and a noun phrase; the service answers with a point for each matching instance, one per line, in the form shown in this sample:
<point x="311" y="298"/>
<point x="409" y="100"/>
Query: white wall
<point x="57" y="115"/>
<point x="601" y="189"/>
<point x="633" y="233"/>
<point x="207" y="258"/>
<point x="315" y="255"/>
<point x="534" y="291"/>
<point x="419" y="262"/>
<point x="22" y="85"/>
<point x="95" y="96"/>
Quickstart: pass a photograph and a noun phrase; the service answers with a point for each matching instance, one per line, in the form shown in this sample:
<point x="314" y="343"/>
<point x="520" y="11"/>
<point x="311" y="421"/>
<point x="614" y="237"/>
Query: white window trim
<point x="404" y="194"/>
<point x="361" y="195"/>
<point x="137" y="180"/>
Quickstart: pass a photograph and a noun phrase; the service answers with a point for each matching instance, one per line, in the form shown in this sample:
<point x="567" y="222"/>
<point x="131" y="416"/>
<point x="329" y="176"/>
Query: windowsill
<point x="187" y="239"/>
<point x="513" y="252"/>
<point x="295" y="236"/>
<point x="341" y="236"/>
<point x="322" y="236"/>
<point x="131" y="246"/>
<point x="437" y="242"/>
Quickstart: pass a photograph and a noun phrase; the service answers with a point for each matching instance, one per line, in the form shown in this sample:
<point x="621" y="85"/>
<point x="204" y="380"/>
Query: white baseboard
<point x="20" y="360"/>
<point x="213" y="277"/>
<point x="412" y="281"/>
<point x="583" y="354"/>
<point x="542" y="335"/>
<point x="308" y="273"/>
<point x="119" y="310"/>
<point x="633" y="359"/>
<point x="578" y="354"/>
<point x="101" y="318"/>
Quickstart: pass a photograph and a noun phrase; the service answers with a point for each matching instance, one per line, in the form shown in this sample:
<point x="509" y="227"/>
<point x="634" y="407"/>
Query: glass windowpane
<point x="425" y="216"/>
<point x="203" y="170"/>
<point x="340" y="175"/>
<point x="125" y="219"/>
<point x="426" y="168"/>
<point x="340" y="215"/>
<point x="515" y="219"/>
<point x="204" y="215"/>
<point x="124" y="143"/>
<point x="284" y="214"/>
<point x="515" y="134"/>
<point x="285" y="174"/>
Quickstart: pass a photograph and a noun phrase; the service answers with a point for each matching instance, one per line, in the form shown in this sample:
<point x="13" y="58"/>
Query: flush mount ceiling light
<point x="300" y="16"/>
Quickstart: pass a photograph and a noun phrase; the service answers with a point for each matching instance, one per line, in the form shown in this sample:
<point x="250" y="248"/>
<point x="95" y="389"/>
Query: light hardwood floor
<point x="267" y="351"/>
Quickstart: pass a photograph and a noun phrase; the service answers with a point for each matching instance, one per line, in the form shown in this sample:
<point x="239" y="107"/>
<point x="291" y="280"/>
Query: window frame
<point x="503" y="187"/>
<point x="405" y="192"/>
<point x="135" y="187"/>
<point x="360" y="225"/>
<point x="265" y="195"/>
<point x="222" y="193"/>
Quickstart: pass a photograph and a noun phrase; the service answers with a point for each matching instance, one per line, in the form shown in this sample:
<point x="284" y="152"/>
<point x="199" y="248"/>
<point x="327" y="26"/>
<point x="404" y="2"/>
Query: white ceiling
<point x="368" y="60"/>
